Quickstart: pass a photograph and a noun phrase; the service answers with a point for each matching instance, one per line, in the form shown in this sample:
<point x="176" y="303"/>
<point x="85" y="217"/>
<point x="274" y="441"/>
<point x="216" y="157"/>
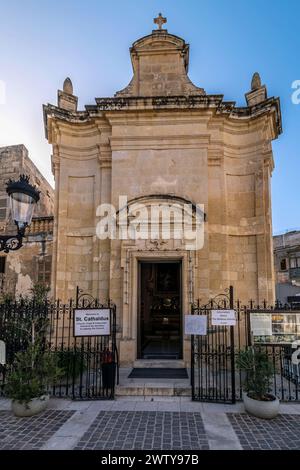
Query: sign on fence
<point x="223" y="317"/>
<point x="275" y="327"/>
<point x="2" y="353"/>
<point x="195" y="324"/>
<point x="92" y="322"/>
<point x="261" y="324"/>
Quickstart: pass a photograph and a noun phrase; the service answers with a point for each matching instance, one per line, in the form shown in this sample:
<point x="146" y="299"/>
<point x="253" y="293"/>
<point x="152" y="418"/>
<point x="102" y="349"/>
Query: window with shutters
<point x="295" y="262"/>
<point x="44" y="270"/>
<point x="3" y="207"/>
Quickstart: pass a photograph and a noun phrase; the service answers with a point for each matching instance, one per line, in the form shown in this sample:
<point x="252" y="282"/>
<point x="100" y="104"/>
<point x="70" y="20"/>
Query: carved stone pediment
<point x="160" y="65"/>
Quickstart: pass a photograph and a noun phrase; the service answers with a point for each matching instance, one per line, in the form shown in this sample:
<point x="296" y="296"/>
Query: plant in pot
<point x="33" y="372"/>
<point x="259" y="371"/>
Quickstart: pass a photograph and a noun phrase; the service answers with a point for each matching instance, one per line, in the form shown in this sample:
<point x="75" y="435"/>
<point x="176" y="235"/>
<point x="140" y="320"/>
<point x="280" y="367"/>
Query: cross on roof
<point x="160" y="20"/>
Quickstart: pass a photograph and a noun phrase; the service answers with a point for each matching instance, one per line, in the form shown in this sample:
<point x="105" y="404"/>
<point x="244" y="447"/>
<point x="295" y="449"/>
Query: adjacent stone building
<point x="287" y="267"/>
<point x="21" y="269"/>
<point x="163" y="140"/>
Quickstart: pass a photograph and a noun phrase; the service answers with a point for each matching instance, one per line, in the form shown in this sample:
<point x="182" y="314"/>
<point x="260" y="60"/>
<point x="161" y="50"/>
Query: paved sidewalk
<point x="147" y="423"/>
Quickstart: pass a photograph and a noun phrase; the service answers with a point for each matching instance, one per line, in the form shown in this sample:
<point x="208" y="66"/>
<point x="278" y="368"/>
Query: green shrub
<point x="259" y="371"/>
<point x="70" y="362"/>
<point x="40" y="292"/>
<point x="34" y="370"/>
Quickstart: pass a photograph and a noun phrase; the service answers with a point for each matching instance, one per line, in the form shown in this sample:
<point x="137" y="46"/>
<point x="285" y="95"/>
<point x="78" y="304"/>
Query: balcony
<point x="40" y="225"/>
<point x="294" y="273"/>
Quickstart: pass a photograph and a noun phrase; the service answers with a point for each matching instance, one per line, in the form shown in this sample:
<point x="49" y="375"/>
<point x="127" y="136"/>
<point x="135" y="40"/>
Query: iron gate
<point x="214" y="375"/>
<point x="90" y="363"/>
<point x="212" y="361"/>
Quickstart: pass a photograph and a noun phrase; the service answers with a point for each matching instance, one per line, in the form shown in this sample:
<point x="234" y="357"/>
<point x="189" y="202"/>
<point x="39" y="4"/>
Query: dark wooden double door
<point x="160" y="324"/>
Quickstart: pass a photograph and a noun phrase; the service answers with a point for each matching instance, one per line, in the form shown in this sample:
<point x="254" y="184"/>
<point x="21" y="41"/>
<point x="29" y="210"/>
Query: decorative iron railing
<point x="214" y="374"/>
<point x="90" y="363"/>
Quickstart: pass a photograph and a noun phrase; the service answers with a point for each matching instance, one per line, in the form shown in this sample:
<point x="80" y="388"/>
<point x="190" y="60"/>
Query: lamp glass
<point x="22" y="206"/>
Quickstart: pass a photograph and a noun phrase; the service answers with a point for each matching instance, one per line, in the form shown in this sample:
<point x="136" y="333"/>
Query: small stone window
<point x="283" y="265"/>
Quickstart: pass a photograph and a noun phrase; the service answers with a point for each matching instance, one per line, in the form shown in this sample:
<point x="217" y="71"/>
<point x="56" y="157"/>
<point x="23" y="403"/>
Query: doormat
<point x="159" y="356"/>
<point x="155" y="373"/>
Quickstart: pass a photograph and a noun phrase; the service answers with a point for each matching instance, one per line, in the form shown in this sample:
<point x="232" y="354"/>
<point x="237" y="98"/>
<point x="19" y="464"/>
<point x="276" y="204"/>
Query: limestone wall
<point x="32" y="262"/>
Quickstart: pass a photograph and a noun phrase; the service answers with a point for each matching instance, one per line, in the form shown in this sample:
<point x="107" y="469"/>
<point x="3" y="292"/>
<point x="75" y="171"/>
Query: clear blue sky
<point x="43" y="41"/>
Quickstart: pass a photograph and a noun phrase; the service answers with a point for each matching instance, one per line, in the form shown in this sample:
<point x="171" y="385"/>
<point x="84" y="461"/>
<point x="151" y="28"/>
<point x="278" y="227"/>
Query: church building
<point x="164" y="142"/>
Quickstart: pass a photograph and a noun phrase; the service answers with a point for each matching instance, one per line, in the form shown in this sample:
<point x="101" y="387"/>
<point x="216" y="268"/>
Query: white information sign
<point x="2" y="353"/>
<point x="223" y="317"/>
<point x="92" y="322"/>
<point x="261" y="324"/>
<point x="195" y="324"/>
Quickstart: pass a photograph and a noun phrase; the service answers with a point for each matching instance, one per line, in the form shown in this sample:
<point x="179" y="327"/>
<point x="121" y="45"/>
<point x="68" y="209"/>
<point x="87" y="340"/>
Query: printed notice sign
<point x="223" y="317"/>
<point x="195" y="324"/>
<point x="2" y="353"/>
<point x="92" y="322"/>
<point x="261" y="324"/>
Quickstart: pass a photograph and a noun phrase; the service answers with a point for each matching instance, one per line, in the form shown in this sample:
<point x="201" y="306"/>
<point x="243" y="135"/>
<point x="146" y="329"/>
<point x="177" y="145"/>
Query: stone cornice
<point x="53" y="113"/>
<point x="164" y="103"/>
<point x="160" y="102"/>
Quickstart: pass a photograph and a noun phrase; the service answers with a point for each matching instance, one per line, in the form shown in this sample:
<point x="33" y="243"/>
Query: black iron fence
<point x="214" y="374"/>
<point x="89" y="362"/>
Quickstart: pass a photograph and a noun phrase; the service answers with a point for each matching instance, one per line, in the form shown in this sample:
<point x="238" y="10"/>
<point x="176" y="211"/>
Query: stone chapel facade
<point x="163" y="139"/>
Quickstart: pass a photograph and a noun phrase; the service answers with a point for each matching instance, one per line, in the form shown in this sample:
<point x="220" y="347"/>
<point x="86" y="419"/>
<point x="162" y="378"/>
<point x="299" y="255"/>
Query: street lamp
<point x="22" y="196"/>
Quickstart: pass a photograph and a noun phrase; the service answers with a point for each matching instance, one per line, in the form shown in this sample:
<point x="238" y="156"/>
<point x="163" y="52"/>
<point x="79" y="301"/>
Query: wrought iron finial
<point x="160" y="20"/>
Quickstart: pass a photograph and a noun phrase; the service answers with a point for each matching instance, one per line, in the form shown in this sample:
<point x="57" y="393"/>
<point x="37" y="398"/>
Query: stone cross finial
<point x="160" y="20"/>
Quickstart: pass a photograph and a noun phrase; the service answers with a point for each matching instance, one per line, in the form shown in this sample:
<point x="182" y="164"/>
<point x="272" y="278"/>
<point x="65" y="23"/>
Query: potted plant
<point x="33" y="372"/>
<point x="258" y="370"/>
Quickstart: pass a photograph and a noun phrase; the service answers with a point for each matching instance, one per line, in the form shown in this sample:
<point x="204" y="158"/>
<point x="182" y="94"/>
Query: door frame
<point x="129" y="302"/>
<point x="178" y="261"/>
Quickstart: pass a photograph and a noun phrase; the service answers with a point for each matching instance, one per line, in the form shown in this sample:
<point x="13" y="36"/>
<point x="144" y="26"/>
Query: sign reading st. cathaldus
<point x="92" y="322"/>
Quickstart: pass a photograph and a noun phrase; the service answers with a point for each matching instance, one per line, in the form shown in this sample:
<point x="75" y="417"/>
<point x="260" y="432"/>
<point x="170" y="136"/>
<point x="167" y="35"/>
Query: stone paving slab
<point x="32" y="432"/>
<point x="220" y="434"/>
<point x="281" y="433"/>
<point x="147" y="423"/>
<point x="126" y="430"/>
<point x="71" y="431"/>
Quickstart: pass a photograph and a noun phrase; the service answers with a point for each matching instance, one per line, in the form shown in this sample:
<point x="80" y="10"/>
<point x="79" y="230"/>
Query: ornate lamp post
<point x="23" y="196"/>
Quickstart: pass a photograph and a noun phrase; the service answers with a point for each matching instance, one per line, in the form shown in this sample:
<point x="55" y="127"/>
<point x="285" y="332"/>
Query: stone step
<point x="153" y="389"/>
<point x="159" y="363"/>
